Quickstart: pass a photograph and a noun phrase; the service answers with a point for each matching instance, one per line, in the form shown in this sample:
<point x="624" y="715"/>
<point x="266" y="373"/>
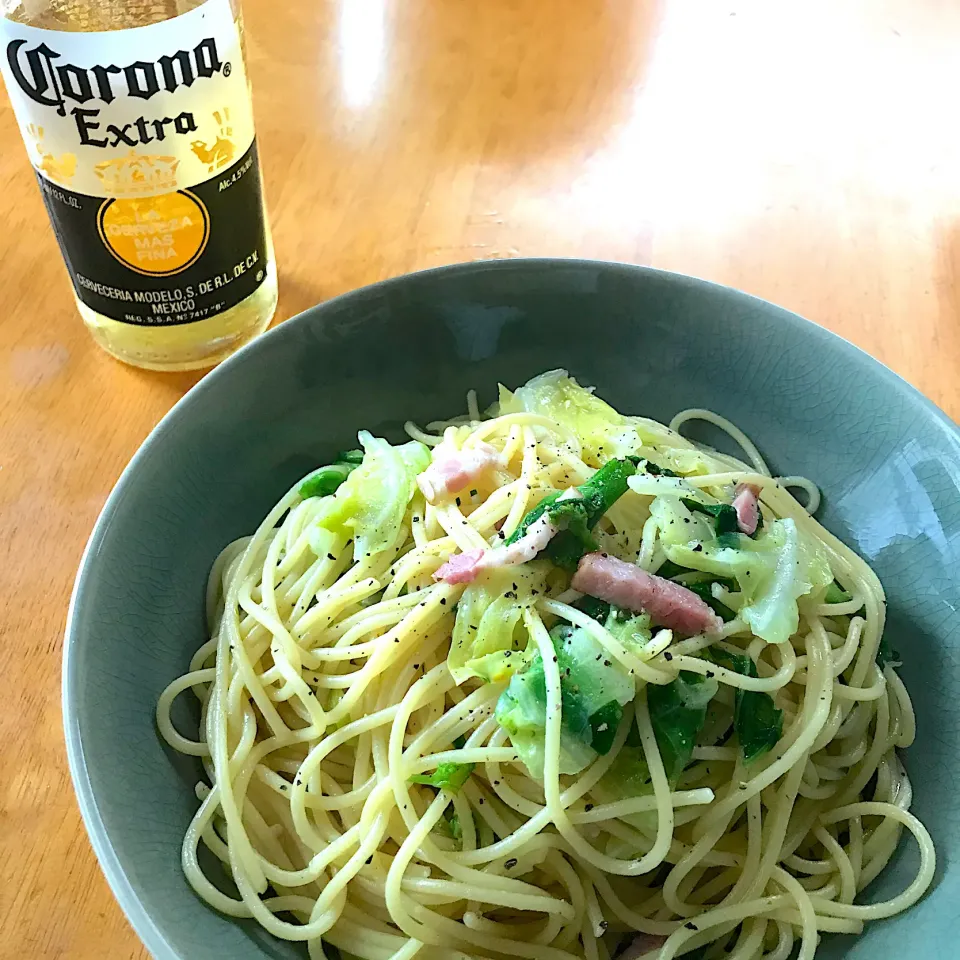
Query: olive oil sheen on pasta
<point x="137" y="118"/>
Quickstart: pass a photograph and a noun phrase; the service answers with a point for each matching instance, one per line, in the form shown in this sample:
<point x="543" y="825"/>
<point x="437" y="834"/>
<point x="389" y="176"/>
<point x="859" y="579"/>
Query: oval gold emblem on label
<point x="157" y="236"/>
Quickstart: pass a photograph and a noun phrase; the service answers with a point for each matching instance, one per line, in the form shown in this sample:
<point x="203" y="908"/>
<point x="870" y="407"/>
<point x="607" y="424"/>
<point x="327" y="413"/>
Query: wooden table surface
<point x="807" y="152"/>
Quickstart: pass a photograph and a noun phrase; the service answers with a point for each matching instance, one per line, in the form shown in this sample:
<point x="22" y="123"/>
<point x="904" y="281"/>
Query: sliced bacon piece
<point x="747" y="506"/>
<point x="464" y="567"/>
<point x="642" y="945"/>
<point x="461" y="568"/>
<point x="668" y="603"/>
<point x="452" y="469"/>
<point x="535" y="539"/>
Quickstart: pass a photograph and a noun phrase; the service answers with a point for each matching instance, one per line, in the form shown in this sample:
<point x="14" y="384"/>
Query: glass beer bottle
<point x="137" y="118"/>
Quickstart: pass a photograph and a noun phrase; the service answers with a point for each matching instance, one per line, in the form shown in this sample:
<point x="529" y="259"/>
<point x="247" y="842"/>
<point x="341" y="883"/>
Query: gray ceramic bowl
<point x="887" y="460"/>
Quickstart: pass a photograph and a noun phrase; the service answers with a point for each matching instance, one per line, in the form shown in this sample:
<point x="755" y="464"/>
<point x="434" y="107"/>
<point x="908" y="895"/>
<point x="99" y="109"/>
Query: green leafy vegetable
<point x="489" y="639"/>
<point x="448" y="776"/>
<point x="773" y="572"/>
<point x="669" y="570"/>
<point x="576" y="515"/>
<point x="679" y="526"/>
<point x="594" y="677"/>
<point x="522" y="712"/>
<point x="325" y="481"/>
<point x="836" y="594"/>
<point x="592" y="607"/>
<point x="603" y="726"/>
<point x="724" y="516"/>
<point x="886" y="654"/>
<point x="593" y="691"/>
<point x="702" y="588"/>
<point x="633" y="630"/>
<point x="371" y="503"/>
<point x="456" y="831"/>
<point x="757" y="720"/>
<point x="603" y="432"/>
<point x="677" y="713"/>
<point x="655" y="470"/>
<point x="606" y="487"/>
<point x="531" y="517"/>
<point x="628" y="776"/>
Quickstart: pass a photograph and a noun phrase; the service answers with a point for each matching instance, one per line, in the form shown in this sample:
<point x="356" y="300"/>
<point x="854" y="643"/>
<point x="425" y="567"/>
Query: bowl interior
<point x="887" y="461"/>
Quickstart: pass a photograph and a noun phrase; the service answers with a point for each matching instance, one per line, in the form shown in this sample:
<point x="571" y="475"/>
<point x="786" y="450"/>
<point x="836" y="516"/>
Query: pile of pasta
<point x="359" y="797"/>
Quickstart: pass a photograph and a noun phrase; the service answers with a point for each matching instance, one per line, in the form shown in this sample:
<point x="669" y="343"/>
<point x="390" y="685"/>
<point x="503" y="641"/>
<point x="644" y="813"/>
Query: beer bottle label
<point x="143" y="145"/>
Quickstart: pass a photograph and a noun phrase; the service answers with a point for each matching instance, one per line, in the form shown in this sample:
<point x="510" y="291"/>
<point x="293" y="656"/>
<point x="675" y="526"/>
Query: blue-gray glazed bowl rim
<point x="137" y="911"/>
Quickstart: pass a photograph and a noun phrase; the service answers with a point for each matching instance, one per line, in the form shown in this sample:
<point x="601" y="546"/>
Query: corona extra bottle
<point x="137" y="118"/>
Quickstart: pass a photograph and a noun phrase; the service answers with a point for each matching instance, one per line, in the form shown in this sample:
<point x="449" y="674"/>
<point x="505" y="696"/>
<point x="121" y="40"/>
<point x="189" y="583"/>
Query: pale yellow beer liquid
<point x="185" y="346"/>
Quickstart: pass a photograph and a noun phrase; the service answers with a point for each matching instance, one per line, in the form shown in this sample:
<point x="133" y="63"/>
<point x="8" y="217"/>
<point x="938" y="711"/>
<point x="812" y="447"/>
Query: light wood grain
<point x="805" y="152"/>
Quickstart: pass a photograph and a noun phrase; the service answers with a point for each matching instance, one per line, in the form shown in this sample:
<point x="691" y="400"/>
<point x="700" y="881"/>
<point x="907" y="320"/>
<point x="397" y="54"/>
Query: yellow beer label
<point x="143" y="144"/>
<point x="158" y="236"/>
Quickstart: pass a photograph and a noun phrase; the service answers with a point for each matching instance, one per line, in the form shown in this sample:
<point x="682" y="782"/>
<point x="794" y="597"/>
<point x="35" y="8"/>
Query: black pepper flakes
<point x="458" y="501"/>
<point x="330" y="556"/>
<point x="668" y="655"/>
<point x="443" y="601"/>
<point x="690" y="925"/>
<point x="511" y="863"/>
<point x="588" y="807"/>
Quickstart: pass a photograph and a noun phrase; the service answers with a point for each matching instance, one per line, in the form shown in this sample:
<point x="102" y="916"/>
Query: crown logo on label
<point x="137" y="173"/>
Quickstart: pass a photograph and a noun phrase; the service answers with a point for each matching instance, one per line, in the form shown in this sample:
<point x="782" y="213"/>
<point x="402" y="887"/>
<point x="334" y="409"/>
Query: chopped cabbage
<point x="773" y="572"/>
<point x="632" y="630"/>
<point x="677" y="524"/>
<point x="603" y="432"/>
<point x="372" y="501"/>
<point x="522" y="712"/>
<point x="587" y="670"/>
<point x="489" y="638"/>
<point x="593" y="692"/>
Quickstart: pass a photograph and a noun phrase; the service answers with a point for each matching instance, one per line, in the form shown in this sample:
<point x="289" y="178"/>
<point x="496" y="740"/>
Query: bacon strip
<point x="464" y="567"/>
<point x="452" y="469"/>
<point x="626" y="585"/>
<point x="461" y="567"/>
<point x="747" y="506"/>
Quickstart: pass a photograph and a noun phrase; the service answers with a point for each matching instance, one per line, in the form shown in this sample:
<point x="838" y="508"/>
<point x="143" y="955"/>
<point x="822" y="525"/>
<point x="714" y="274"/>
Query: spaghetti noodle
<point x="394" y="764"/>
